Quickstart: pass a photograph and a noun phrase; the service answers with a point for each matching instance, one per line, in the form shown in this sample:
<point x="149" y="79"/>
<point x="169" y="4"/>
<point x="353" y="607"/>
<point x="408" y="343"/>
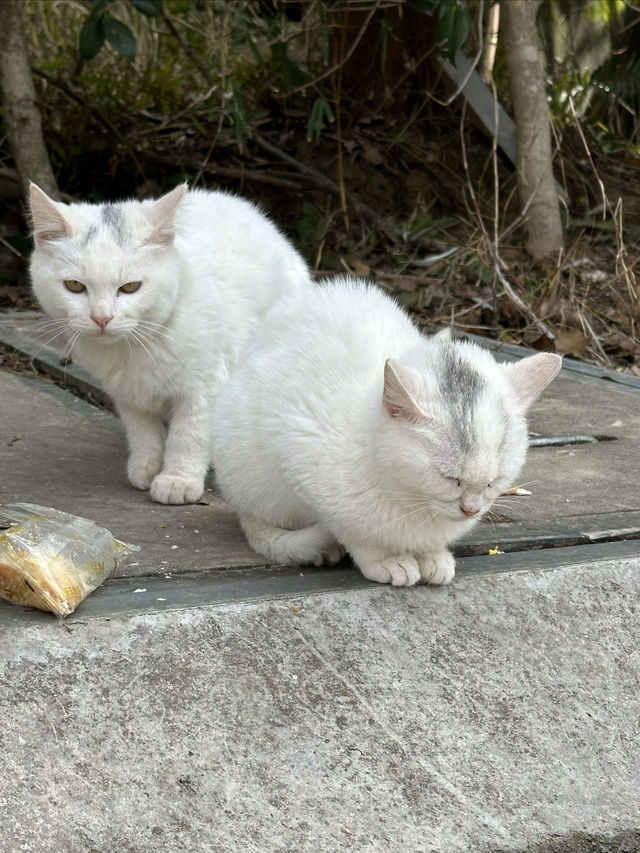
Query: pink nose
<point x="101" y="321"/>
<point x="469" y="510"/>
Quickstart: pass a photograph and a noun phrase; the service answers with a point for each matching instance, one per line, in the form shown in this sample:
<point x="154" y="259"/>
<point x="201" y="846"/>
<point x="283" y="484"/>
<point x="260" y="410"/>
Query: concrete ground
<point x="201" y="701"/>
<point x="497" y="714"/>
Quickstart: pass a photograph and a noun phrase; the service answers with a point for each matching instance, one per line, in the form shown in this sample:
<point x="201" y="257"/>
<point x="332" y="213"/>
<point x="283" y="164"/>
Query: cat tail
<point x="313" y="544"/>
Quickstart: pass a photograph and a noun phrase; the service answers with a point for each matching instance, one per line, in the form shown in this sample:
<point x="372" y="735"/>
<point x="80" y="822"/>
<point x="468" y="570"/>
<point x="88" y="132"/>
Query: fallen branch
<point x="242" y="174"/>
<point x="393" y="232"/>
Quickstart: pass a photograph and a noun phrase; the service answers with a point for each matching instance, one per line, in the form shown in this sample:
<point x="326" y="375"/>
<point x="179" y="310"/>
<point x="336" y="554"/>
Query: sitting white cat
<point x="157" y="299"/>
<point x="344" y="427"/>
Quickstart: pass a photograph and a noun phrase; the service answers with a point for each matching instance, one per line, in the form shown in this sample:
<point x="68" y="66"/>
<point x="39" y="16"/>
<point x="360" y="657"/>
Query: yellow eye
<point x="74" y="286"/>
<point x="130" y="287"/>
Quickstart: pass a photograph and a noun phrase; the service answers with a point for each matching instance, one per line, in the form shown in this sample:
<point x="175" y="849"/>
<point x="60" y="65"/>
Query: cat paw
<point x="172" y="489"/>
<point x="330" y="555"/>
<point x="142" y="471"/>
<point x="437" y="568"/>
<point x="398" y="571"/>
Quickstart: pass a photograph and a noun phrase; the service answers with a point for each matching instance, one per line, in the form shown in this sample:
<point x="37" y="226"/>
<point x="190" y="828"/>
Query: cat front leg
<point x="398" y="570"/>
<point x="145" y="435"/>
<point x="186" y="454"/>
<point x="437" y="568"/>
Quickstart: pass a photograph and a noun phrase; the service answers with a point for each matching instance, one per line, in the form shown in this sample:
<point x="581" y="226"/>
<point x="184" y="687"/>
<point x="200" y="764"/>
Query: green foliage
<point x="100" y="27"/>
<point x="257" y="70"/>
<point x="308" y="225"/>
<point x="452" y="27"/>
<point x="239" y="113"/>
<point x="320" y="112"/>
<point x="604" y="94"/>
<point x="453" y="21"/>
<point x="293" y="76"/>
<point x="150" y="8"/>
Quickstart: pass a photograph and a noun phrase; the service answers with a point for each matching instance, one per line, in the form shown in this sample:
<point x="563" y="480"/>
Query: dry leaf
<point x="571" y="340"/>
<point x="360" y="268"/>
<point x="516" y="490"/>
<point x="372" y="154"/>
<point x="408" y="283"/>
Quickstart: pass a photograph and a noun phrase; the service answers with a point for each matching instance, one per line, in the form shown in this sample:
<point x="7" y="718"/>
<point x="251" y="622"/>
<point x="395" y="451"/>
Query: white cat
<point x="344" y="426"/>
<point x="157" y="300"/>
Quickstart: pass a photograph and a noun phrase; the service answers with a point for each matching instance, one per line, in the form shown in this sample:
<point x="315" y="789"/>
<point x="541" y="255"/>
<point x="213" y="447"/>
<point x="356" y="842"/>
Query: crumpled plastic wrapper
<point x="52" y="560"/>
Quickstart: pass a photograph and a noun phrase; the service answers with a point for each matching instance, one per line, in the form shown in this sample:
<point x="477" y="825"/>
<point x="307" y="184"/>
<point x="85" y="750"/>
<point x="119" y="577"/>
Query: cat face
<point x="455" y="435"/>
<point x="107" y="272"/>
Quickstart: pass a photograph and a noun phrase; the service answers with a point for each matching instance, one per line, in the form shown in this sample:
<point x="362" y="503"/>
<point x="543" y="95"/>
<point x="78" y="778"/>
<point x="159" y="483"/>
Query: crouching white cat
<point x="157" y="299"/>
<point x="344" y="427"/>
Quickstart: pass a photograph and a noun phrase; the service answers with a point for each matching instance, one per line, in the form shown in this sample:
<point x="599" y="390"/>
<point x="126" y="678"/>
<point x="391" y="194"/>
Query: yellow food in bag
<point x="52" y="560"/>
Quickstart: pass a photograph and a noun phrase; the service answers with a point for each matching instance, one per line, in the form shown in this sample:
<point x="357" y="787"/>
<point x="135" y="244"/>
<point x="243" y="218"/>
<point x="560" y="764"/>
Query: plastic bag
<point x="52" y="560"/>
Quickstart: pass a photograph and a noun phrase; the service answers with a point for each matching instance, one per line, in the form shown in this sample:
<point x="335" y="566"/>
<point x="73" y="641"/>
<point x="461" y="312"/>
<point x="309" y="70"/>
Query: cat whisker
<point x="428" y="520"/>
<point x="140" y="340"/>
<point x="150" y="338"/>
<point x="74" y="340"/>
<point x="150" y="331"/>
<point x="65" y="355"/>
<point x="126" y="337"/>
<point x="58" y="334"/>
<point x="510" y="505"/>
<point x="47" y="321"/>
<point x="508" y="508"/>
<point x="45" y="327"/>
<point x="155" y="349"/>
<point x="155" y="328"/>
<point x="415" y="511"/>
<point x="405" y="495"/>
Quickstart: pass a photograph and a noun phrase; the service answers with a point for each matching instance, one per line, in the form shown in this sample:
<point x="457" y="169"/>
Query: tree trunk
<point x="538" y="193"/>
<point x="20" y="110"/>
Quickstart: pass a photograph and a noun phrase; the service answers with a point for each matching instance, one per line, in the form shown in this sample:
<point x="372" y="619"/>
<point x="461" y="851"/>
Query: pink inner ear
<point x="401" y="390"/>
<point x="48" y="221"/>
<point x="531" y="376"/>
<point x="161" y="215"/>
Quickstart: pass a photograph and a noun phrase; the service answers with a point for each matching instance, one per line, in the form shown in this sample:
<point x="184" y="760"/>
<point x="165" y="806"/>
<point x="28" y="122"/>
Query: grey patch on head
<point x="502" y="423"/>
<point x="461" y="387"/>
<point x="113" y="217"/>
<point x="90" y="235"/>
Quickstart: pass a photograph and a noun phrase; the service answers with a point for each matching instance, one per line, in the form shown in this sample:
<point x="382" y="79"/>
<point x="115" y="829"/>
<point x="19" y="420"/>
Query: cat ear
<point x="443" y="336"/>
<point x="47" y="220"/>
<point x="161" y="214"/>
<point x="402" y="387"/>
<point x="531" y="376"/>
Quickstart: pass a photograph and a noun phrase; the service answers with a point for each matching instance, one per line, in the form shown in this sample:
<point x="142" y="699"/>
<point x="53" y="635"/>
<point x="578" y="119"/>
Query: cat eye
<point x="74" y="286"/>
<point x="454" y="480"/>
<point x="130" y="287"/>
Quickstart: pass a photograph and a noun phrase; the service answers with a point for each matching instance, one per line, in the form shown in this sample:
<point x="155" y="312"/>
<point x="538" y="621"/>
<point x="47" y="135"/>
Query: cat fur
<point x="211" y="265"/>
<point x="344" y="427"/>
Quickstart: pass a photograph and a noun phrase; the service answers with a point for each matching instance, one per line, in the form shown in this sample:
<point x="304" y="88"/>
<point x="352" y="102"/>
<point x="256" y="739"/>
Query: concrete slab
<point x="498" y="714"/>
<point x="58" y="450"/>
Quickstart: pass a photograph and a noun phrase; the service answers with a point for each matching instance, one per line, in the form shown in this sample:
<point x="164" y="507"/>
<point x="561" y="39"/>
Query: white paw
<point x="437" y="568"/>
<point x="170" y="489"/>
<point x="329" y="556"/>
<point x="142" y="469"/>
<point x="398" y="571"/>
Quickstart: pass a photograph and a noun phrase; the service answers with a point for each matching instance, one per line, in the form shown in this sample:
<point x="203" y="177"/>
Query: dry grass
<point x="419" y="201"/>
